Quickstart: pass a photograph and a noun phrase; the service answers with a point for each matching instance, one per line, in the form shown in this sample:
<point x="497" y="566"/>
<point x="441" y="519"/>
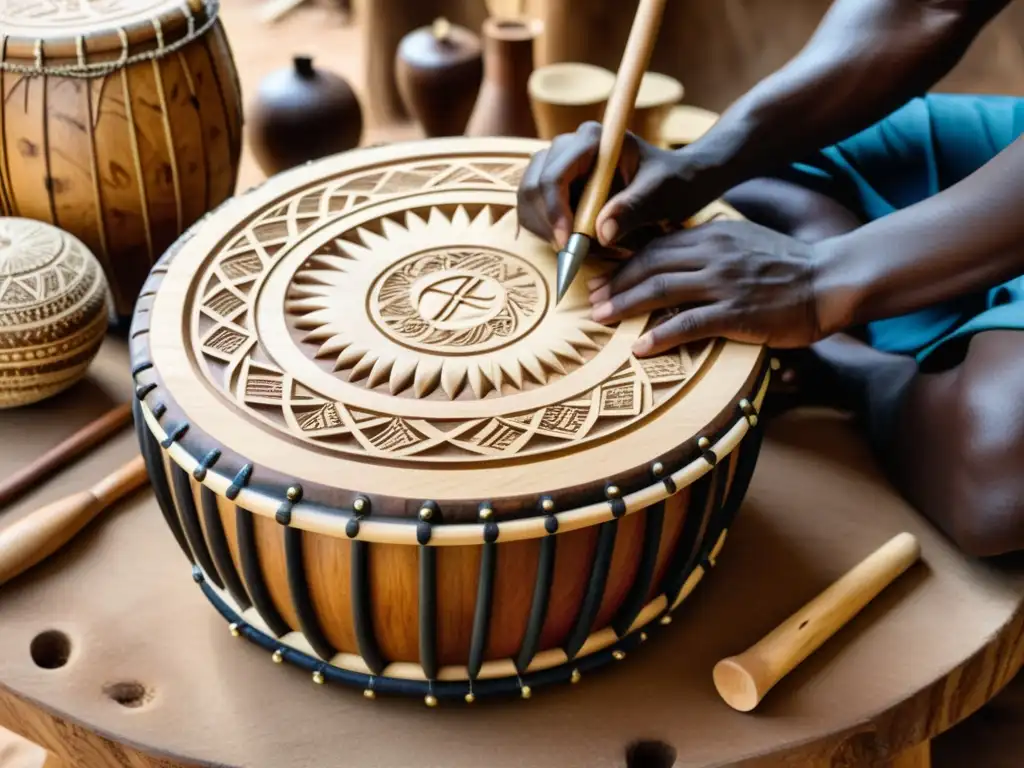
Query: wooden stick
<point x="617" y="115"/>
<point x="64" y="453"/>
<point x="743" y="680"/>
<point x="39" y="534"/>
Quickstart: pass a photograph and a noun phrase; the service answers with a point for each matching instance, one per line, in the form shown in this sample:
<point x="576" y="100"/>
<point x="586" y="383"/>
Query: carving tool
<point x="39" y="534"/>
<point x="617" y="115"/>
<point x="743" y="680"/>
<point x="64" y="453"/>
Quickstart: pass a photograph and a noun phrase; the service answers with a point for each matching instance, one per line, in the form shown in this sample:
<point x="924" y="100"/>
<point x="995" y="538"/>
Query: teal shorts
<point x="918" y="151"/>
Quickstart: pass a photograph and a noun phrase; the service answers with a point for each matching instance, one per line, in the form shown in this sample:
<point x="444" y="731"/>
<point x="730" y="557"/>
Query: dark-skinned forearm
<point x="866" y="59"/>
<point x="967" y="238"/>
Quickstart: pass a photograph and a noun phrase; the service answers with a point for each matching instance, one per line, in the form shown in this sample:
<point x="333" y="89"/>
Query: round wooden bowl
<point x="396" y="463"/>
<point x="122" y="125"/>
<point x="53" y="311"/>
<point x="564" y="96"/>
<point x="657" y="96"/>
<point x="685" y="124"/>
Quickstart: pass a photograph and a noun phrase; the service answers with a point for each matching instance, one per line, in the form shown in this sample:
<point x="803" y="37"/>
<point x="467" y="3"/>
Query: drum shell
<point x="125" y="161"/>
<point x="312" y="592"/>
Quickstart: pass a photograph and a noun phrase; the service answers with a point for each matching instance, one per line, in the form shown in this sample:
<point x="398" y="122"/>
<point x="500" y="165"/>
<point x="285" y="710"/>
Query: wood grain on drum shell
<point x="381" y="316"/>
<point x="123" y="157"/>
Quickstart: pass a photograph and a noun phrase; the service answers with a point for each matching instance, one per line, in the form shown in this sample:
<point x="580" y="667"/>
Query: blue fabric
<point x="924" y="147"/>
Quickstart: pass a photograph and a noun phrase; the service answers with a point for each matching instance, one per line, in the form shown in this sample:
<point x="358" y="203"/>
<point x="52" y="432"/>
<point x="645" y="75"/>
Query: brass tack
<point x="369" y="694"/>
<point x="744" y="405"/>
<point x="234" y="630"/>
<point x="526" y="692"/>
<point x="486" y="512"/>
<point x="547" y="505"/>
<point x="430" y="700"/>
<point x="666" y="620"/>
<point x="612" y="491"/>
<point x="752" y="419"/>
<point x="658" y="468"/>
<point x="278" y="656"/>
<point x="775" y="364"/>
<point x="426" y="513"/>
<point x="293" y="493"/>
<point x="703" y="443"/>
<point x="618" y="655"/>
<point x="359" y="505"/>
<point x="318" y="677"/>
<point x="576" y="676"/>
<point x="470" y="698"/>
<point x="643" y="637"/>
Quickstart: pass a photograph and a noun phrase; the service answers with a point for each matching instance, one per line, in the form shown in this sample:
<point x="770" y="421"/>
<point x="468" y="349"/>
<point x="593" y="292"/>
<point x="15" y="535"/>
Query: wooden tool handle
<point x="618" y="112"/>
<point x="41" y="533"/>
<point x="742" y="681"/>
<point x="64" y="453"/>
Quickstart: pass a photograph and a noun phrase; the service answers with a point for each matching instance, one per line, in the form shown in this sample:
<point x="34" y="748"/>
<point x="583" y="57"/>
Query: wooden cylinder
<point x="744" y="680"/>
<point x="452" y="489"/>
<point x="566" y="95"/>
<point x="122" y="126"/>
<point x="503" y="106"/>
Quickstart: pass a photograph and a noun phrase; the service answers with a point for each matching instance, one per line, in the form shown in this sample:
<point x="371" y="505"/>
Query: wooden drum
<point x="120" y="123"/>
<point x="396" y="463"/>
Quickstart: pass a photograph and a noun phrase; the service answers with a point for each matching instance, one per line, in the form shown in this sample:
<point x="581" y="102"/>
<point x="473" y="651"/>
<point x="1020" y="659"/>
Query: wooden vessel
<point x="503" y="105"/>
<point x="439" y="69"/>
<point x="53" y="311"/>
<point x="396" y="463"/>
<point x="566" y="95"/>
<point x="120" y="123"/>
<point x="657" y="96"/>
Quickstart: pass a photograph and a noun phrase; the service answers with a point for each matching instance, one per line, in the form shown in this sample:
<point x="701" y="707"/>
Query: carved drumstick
<point x="743" y="680"/>
<point x="39" y="534"/>
<point x="64" y="453"/>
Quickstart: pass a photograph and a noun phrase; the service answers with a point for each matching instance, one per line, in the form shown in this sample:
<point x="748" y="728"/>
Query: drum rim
<point x="196" y="443"/>
<point x="176" y="21"/>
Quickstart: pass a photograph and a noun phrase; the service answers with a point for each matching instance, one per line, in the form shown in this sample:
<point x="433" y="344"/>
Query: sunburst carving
<point x="451" y="308"/>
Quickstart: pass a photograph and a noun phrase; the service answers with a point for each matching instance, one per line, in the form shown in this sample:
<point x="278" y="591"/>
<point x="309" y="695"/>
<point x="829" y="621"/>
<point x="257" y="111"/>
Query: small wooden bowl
<point x="657" y="96"/>
<point x="685" y="124"/>
<point x="53" y="310"/>
<point x="563" y="96"/>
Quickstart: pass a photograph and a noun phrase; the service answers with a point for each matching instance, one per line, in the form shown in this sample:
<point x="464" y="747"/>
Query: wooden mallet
<point x="39" y="534"/>
<point x="743" y="680"/>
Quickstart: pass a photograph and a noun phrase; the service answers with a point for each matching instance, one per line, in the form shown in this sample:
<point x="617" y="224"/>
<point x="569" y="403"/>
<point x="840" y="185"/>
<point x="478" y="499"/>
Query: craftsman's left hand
<point x="733" y="279"/>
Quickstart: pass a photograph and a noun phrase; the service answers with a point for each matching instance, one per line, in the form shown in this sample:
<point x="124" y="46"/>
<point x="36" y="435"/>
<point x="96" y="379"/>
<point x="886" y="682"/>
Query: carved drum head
<point x="380" y="323"/>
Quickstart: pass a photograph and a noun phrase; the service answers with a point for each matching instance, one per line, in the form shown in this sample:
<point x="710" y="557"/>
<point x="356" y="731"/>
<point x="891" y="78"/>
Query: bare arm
<point x="967" y="238"/>
<point x="867" y="58"/>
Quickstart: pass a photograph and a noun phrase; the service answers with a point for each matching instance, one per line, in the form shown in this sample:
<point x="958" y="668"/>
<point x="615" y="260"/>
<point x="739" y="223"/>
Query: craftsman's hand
<point x="654" y="186"/>
<point x="733" y="279"/>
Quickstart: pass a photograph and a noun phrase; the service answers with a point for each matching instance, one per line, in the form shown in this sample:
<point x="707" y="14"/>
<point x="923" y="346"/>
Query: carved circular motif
<point x="398" y="312"/>
<point x="26" y="246"/>
<point x="458" y="301"/>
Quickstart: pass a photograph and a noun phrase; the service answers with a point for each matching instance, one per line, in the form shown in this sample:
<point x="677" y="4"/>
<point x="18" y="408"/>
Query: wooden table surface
<point x="152" y="664"/>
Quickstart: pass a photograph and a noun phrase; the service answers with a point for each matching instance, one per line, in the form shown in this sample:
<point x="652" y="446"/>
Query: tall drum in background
<point x="120" y="122"/>
<point x="396" y="463"/>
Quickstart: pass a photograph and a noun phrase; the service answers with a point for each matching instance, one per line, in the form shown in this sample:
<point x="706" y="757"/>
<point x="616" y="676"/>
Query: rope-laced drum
<point x="395" y="462"/>
<point x="120" y="122"/>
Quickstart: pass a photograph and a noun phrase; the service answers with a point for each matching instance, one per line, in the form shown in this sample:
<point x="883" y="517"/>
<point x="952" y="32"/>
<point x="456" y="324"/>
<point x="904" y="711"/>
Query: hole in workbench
<point x="50" y="649"/>
<point x="650" y="754"/>
<point x="129" y="694"/>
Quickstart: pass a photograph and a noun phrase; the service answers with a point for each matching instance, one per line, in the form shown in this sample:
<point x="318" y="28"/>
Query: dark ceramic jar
<point x="301" y="113"/>
<point x="439" y="70"/>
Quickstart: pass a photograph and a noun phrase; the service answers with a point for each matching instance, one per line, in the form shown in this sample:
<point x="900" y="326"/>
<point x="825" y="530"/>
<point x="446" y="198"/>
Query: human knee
<point x="988" y="486"/>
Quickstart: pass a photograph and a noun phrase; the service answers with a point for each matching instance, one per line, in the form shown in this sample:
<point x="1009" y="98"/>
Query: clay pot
<point x="301" y="113"/>
<point x="438" y="70"/>
<point x="566" y="95"/>
<point x="503" y="107"/>
<point x="657" y="96"/>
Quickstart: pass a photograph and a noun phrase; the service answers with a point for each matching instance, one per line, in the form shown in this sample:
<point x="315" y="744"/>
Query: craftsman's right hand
<point x="653" y="186"/>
